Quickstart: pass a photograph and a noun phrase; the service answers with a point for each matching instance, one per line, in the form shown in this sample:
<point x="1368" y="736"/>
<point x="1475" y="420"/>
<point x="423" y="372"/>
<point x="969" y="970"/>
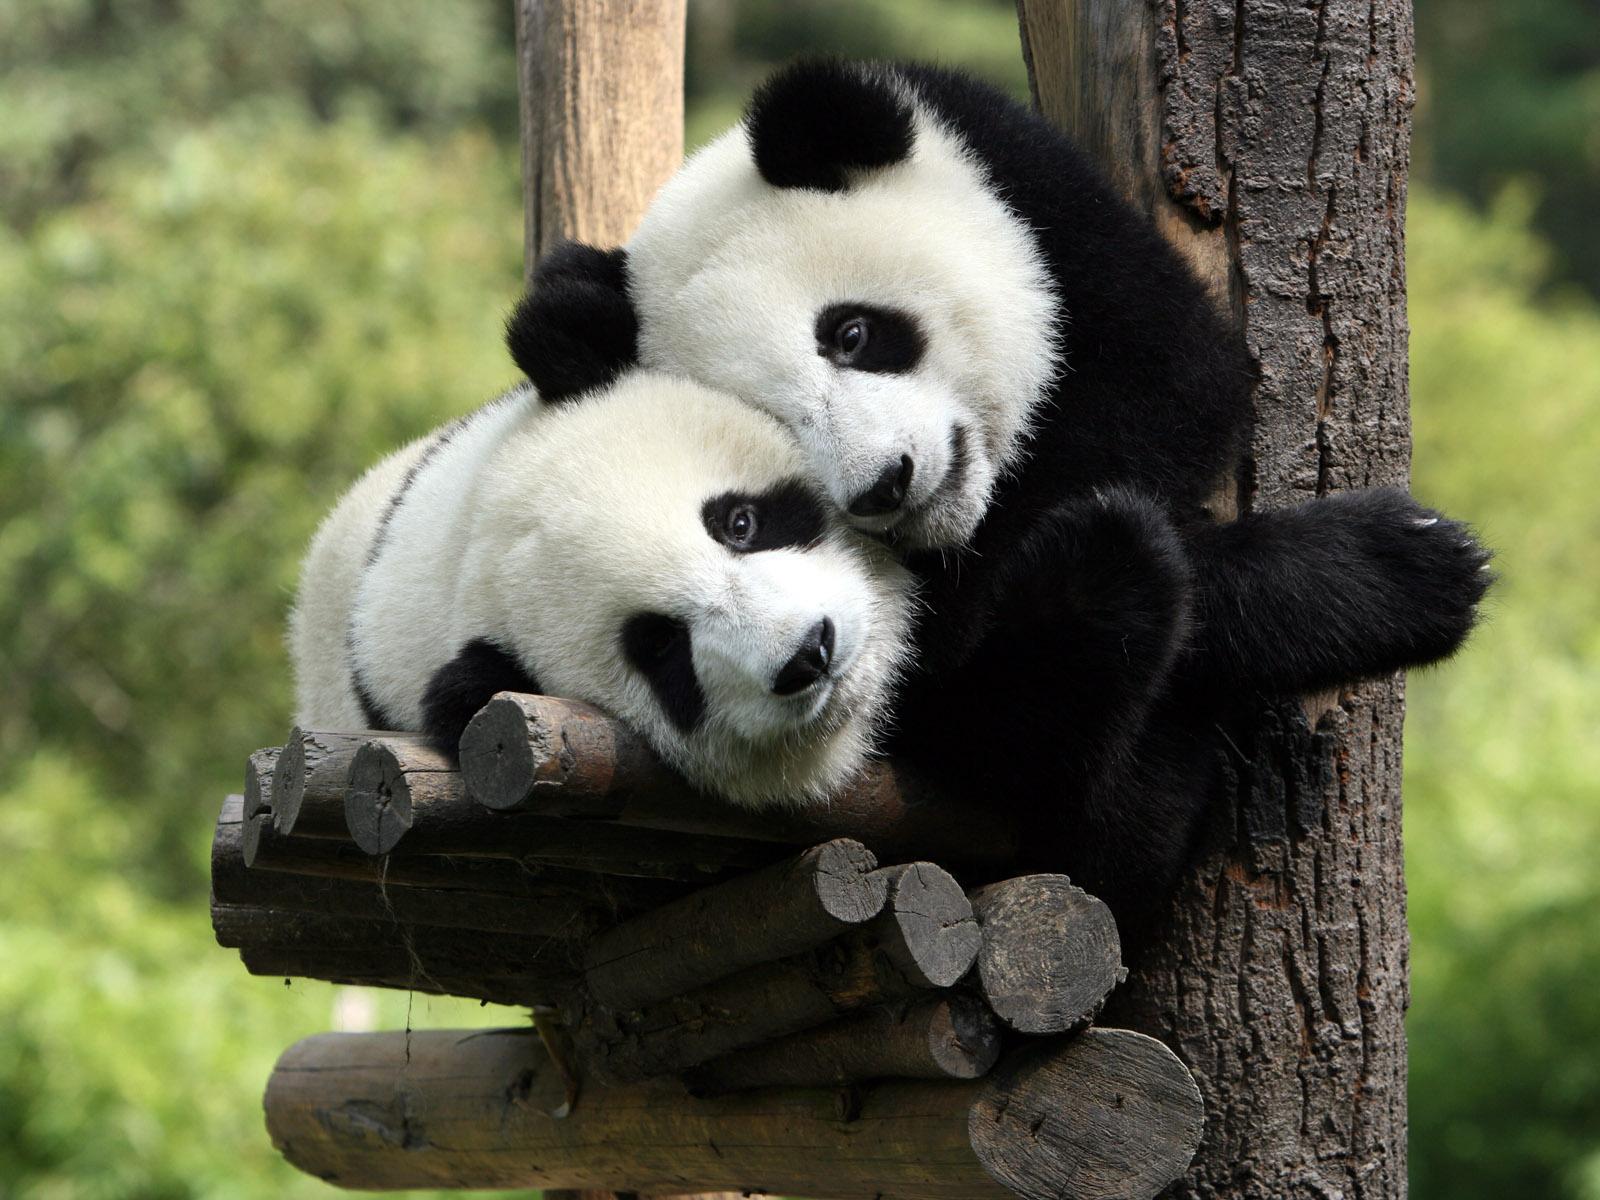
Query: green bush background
<point x="244" y="249"/>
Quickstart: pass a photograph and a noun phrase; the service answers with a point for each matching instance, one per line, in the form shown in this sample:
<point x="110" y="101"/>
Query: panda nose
<point x="888" y="494"/>
<point x="809" y="663"/>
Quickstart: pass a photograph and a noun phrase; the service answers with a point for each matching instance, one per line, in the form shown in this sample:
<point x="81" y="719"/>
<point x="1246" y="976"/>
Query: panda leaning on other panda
<point x="1000" y="366"/>
<point x="649" y="547"/>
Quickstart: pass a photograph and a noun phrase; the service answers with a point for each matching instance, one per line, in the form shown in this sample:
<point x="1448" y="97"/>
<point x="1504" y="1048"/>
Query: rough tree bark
<point x="602" y="114"/>
<point x="1271" y="140"/>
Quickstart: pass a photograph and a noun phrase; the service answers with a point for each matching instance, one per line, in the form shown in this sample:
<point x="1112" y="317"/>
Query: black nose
<point x="810" y="661"/>
<point x="888" y="494"/>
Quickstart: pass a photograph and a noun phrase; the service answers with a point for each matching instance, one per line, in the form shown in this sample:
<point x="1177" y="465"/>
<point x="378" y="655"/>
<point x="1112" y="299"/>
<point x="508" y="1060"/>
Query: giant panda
<point x="998" y="366"/>
<point x="647" y="545"/>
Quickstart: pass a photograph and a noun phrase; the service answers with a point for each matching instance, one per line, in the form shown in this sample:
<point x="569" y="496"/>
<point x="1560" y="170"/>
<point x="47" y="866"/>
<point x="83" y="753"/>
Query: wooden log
<point x="1108" y="1114"/>
<point x="952" y="1036"/>
<point x="387" y="969"/>
<point x="492" y="956"/>
<point x="787" y="908"/>
<point x="565" y="758"/>
<point x="1050" y="953"/>
<point x="925" y="937"/>
<point x="602" y="114"/>
<point x="323" y="857"/>
<point x="558" y="915"/>
<point x="257" y="798"/>
<point x="308" y="782"/>
<point x="408" y="799"/>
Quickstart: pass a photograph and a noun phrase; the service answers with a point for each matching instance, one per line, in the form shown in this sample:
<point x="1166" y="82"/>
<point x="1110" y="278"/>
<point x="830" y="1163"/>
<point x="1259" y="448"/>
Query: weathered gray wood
<point x="496" y="955"/>
<point x="614" y="895"/>
<point x="257" y="801"/>
<point x="557" y="915"/>
<point x="308" y="781"/>
<point x="602" y="114"/>
<point x="564" y="758"/>
<point x="949" y="1036"/>
<point x="925" y="937"/>
<point x="392" y="785"/>
<point x="1050" y="953"/>
<point x="395" y="971"/>
<point x="785" y="909"/>
<point x="1104" y="1116"/>
<point x="1281" y="139"/>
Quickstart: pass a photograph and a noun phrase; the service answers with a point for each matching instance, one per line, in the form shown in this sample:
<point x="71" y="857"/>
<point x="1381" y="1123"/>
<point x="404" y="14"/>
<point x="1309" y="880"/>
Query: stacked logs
<point x="557" y="864"/>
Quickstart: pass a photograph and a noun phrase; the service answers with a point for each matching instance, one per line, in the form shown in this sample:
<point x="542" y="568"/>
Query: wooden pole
<point x="1108" y="1114"/>
<point x="1271" y="143"/>
<point x="602" y="114"/>
<point x="554" y="757"/>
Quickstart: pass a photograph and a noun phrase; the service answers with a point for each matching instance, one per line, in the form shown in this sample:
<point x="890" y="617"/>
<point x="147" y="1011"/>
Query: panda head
<point x="657" y="551"/>
<point x="840" y="260"/>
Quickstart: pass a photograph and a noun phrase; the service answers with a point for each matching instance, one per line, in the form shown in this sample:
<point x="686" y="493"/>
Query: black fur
<point x="814" y="122"/>
<point x="465" y="684"/>
<point x="788" y="515"/>
<point x="575" y="330"/>
<point x="662" y="650"/>
<point x="1100" y="629"/>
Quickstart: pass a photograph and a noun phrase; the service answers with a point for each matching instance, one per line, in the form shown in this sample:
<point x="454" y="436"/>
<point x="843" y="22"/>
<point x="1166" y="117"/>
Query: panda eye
<point x="739" y="529"/>
<point x="850" y="338"/>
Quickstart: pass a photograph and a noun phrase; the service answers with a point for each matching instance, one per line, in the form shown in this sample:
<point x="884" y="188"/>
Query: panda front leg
<point x="1331" y="591"/>
<point x="1079" y="623"/>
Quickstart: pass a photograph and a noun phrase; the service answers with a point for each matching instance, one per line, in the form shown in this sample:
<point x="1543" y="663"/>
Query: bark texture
<point x="602" y="114"/>
<point x="1271" y="141"/>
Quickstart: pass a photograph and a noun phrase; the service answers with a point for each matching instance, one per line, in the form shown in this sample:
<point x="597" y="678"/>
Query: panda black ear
<point x="818" y="118"/>
<point x="575" y="329"/>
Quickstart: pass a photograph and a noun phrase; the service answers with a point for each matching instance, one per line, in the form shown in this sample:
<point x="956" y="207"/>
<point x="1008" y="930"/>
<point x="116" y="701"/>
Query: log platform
<point x="805" y="1002"/>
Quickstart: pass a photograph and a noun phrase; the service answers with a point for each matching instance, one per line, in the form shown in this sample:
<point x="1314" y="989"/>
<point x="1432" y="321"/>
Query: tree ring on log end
<point x="1110" y="1113"/>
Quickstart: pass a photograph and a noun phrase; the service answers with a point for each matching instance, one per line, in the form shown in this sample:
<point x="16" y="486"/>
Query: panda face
<point x="903" y="328"/>
<point x="655" y="550"/>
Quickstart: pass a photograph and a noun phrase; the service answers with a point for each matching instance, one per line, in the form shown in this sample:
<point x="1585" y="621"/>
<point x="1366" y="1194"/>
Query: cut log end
<point x="1050" y="954"/>
<point x="848" y="888"/>
<point x="928" y="931"/>
<point x="1112" y="1113"/>
<point x="377" y="806"/>
<point x="499" y="752"/>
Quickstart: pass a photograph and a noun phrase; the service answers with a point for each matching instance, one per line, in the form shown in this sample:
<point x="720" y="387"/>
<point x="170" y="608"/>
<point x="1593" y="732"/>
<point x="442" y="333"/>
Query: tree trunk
<point x="1270" y="141"/>
<point x="602" y="115"/>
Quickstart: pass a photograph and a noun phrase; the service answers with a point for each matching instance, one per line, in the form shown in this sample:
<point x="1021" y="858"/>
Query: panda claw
<point x="1425" y="521"/>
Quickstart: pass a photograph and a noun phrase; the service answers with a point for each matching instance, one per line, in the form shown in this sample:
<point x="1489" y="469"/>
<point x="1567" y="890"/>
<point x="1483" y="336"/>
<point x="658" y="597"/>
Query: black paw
<point x="1107" y="572"/>
<point x="1424" y="573"/>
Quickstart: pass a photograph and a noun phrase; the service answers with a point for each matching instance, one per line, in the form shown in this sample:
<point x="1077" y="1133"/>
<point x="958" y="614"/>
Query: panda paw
<point x="1423" y="573"/>
<point x="1106" y="576"/>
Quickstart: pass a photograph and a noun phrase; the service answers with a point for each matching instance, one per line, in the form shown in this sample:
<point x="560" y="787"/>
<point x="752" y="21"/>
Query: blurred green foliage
<point x="248" y="248"/>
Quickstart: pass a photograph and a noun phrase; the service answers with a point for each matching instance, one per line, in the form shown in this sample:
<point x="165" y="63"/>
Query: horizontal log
<point x="386" y="969"/>
<point x="559" y="915"/>
<point x="565" y="758"/>
<point x="405" y="800"/>
<point x="1050" y="954"/>
<point x="925" y="937"/>
<point x="308" y="782"/>
<point x="614" y="895"/>
<point x="1108" y="1114"/>
<point x="785" y="909"/>
<point x="950" y="1036"/>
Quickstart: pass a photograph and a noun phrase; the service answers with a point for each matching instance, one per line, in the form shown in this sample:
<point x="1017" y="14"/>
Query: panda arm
<point x="457" y="690"/>
<point x="1331" y="591"/>
<point x="1066" y="639"/>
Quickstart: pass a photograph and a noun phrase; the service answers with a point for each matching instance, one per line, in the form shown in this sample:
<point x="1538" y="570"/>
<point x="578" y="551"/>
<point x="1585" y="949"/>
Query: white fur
<point x="544" y="528"/>
<point x="729" y="274"/>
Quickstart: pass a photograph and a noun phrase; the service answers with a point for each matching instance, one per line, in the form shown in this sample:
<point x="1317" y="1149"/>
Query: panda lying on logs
<point x="997" y="364"/>
<point x="648" y="546"/>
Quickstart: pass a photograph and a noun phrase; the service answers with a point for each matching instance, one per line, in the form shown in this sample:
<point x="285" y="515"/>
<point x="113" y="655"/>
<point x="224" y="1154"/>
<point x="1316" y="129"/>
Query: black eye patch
<point x="784" y="516"/>
<point x="863" y="337"/>
<point x="661" y="649"/>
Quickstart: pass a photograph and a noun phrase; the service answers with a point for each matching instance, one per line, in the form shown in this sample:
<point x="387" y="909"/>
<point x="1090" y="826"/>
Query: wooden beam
<point x="601" y="85"/>
<point x="1110" y="1114"/>
<point x="554" y="757"/>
